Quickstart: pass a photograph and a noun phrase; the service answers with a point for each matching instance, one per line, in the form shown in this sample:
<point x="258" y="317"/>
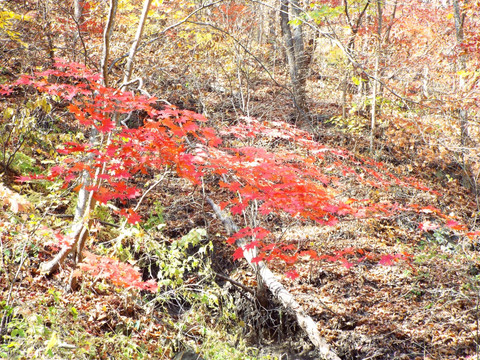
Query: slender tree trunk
<point x="375" y="85"/>
<point x="136" y="41"/>
<point x="298" y="44"/>
<point x="107" y="35"/>
<point x="295" y="51"/>
<point x="79" y="18"/>
<point x="462" y="113"/>
<point x="354" y="27"/>
<point x="85" y="201"/>
<point x="78" y="11"/>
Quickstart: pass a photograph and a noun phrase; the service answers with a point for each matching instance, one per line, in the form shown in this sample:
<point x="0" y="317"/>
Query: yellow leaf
<point x="463" y="73"/>
<point x="52" y="342"/>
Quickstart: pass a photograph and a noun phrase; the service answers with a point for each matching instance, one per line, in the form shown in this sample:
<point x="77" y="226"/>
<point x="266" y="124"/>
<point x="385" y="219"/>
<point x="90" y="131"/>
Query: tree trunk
<point x="107" y="35"/>
<point x="350" y="48"/>
<point x="85" y="202"/>
<point x="295" y="51"/>
<point x="462" y="113"/>
<point x="136" y="41"/>
<point x="79" y="18"/>
<point x="78" y="11"/>
<point x="375" y="85"/>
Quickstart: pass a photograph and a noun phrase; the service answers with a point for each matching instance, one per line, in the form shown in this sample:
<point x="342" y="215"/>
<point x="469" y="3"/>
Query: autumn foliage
<point x="302" y="178"/>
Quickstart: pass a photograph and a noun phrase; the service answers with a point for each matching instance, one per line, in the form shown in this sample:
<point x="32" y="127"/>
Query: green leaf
<point x="325" y="11"/>
<point x="74" y="312"/>
<point x="296" y="22"/>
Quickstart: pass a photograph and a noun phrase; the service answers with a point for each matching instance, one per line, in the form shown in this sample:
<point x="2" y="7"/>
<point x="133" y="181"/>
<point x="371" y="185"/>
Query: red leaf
<point x="107" y="125"/>
<point x="269" y="247"/>
<point x="428" y="226"/>
<point x="29" y="178"/>
<point x="346" y="263"/>
<point x="133" y="217"/>
<point x="132" y="192"/>
<point x="258" y="258"/>
<point x="238" y="254"/>
<point x="212" y="138"/>
<point x="388" y="259"/>
<point x="260" y="233"/>
<point x="56" y="170"/>
<point x="472" y="235"/>
<point x="237" y="209"/>
<point x="5" y="90"/>
<point x="235" y="186"/>
<point x="92" y="188"/>
<point x="292" y="274"/>
<point x="332" y="221"/>
<point x="190" y="126"/>
<point x="288" y="247"/>
<point x="289" y="260"/>
<point x="252" y="244"/>
<point x="247" y="231"/>
<point x="231" y="240"/>
<point x="452" y="224"/>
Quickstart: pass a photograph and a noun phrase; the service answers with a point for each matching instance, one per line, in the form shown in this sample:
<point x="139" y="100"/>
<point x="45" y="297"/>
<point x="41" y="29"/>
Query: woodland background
<point x="239" y="179"/>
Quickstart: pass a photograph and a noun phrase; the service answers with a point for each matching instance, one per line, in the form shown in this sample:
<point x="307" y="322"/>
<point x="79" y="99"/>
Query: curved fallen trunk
<point x="277" y="289"/>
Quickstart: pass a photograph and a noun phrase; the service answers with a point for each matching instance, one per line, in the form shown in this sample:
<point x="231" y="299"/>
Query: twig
<point x="236" y="283"/>
<point x="151" y="188"/>
<point x="69" y="216"/>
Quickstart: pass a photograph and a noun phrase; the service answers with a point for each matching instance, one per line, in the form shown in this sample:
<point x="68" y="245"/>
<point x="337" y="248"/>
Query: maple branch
<point x="277" y="289"/>
<point x="151" y="188"/>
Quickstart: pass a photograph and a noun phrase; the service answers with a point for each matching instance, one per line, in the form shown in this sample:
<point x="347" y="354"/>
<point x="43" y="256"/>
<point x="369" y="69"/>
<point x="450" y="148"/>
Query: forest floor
<point x="426" y="308"/>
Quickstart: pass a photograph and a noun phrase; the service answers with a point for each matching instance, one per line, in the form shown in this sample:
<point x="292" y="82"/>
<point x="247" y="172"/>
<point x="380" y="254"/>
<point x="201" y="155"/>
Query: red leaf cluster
<point x="119" y="273"/>
<point x="303" y="181"/>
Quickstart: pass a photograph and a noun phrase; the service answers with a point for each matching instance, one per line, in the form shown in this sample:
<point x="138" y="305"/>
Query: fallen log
<point x="277" y="289"/>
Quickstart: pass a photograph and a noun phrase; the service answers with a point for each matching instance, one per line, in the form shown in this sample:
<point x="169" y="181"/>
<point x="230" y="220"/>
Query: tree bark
<point x="107" y="35"/>
<point x="78" y="11"/>
<point x="136" y="41"/>
<point x="295" y="51"/>
<point x="462" y="113"/>
<point x="375" y="85"/>
<point x="350" y="48"/>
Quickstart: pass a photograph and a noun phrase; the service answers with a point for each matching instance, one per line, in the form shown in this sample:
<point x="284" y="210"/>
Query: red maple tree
<point x="302" y="177"/>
